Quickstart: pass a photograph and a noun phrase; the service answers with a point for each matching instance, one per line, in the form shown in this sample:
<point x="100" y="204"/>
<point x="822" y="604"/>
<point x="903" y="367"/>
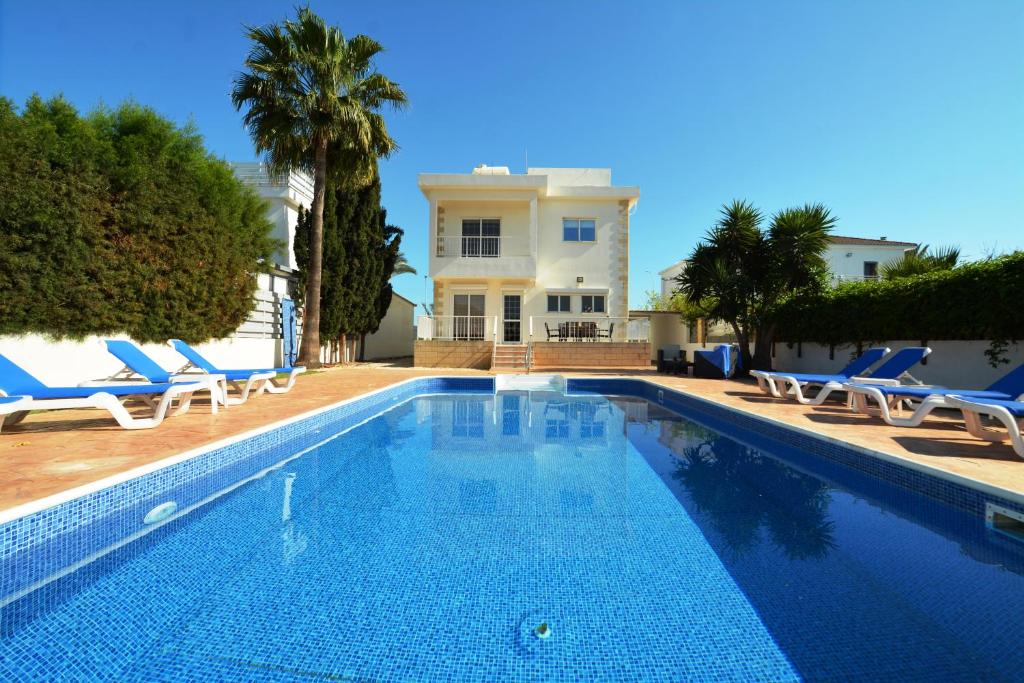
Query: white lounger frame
<point x="113" y="405"/>
<point x="787" y="386"/>
<point x="215" y="384"/>
<point x="256" y="384"/>
<point x="272" y="387"/>
<point x="889" y="407"/>
<point x="972" y="418"/>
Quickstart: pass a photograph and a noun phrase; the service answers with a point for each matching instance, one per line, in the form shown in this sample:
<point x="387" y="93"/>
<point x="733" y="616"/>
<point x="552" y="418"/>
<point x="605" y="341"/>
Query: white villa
<point x="529" y="270"/>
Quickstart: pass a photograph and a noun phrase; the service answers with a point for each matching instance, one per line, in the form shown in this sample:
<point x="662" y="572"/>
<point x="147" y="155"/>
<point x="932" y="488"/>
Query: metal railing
<point x="457" y="327"/>
<point x="836" y="279"/>
<point x="588" y="328"/>
<point x="258" y="173"/>
<point x="481" y="247"/>
<point x="537" y="328"/>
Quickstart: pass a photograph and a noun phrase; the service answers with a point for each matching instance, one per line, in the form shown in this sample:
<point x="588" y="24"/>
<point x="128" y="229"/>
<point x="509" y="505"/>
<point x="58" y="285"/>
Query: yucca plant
<point x="313" y="101"/>
<point x="919" y="261"/>
<point x="740" y="273"/>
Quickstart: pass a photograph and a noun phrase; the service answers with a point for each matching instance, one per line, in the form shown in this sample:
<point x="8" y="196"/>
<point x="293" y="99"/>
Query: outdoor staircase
<point x="509" y="357"/>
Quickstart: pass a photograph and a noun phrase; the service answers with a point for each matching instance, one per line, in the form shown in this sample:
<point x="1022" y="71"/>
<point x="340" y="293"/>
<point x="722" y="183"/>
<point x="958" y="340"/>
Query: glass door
<point x="468" y="320"/>
<point x="512" y="318"/>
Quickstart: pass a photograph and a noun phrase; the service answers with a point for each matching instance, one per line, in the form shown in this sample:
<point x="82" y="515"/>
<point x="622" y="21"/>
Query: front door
<point x="512" y="318"/>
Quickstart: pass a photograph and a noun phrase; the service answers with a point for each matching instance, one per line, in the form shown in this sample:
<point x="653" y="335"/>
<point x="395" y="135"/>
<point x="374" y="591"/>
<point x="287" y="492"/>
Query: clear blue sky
<point x="906" y="118"/>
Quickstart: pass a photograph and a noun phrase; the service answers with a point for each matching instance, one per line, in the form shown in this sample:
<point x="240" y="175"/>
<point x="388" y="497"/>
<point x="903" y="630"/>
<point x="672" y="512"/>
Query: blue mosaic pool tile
<point x="42" y="543"/>
<point x="762" y="431"/>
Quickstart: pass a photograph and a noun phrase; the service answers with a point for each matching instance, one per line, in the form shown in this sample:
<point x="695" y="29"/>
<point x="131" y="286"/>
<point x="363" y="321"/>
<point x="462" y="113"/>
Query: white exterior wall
<point x="846" y="261"/>
<point x="67" y="363"/>
<point x="396" y="335"/>
<point x="559" y="263"/>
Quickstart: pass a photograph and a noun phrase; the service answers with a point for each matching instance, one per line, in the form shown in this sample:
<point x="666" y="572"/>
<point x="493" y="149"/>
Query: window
<point x="870" y="270"/>
<point x="592" y="304"/>
<point x="579" y="230"/>
<point x="481" y="237"/>
<point x="558" y="303"/>
<point x="468" y="319"/>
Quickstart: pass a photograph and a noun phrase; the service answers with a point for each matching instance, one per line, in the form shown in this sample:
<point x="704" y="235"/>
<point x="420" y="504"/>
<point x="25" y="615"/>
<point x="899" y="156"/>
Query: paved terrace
<point x="54" y="451"/>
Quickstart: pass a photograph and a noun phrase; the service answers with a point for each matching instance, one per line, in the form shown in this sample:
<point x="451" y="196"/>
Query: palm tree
<point x="918" y="261"/>
<point x="402" y="266"/>
<point x="740" y="273"/>
<point x="313" y="101"/>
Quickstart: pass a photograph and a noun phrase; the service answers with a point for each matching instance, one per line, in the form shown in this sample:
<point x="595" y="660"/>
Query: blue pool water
<point x="428" y="543"/>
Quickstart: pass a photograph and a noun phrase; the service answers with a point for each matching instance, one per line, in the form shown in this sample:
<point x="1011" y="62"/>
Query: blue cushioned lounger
<point x="198" y="363"/>
<point x="1009" y="413"/>
<point x="882" y="400"/>
<point x="15" y="381"/>
<point x="890" y="372"/>
<point x="860" y="364"/>
<point x="137" y="365"/>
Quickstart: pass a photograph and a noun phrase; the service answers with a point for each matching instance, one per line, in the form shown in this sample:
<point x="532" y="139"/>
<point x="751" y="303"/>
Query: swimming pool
<point x="429" y="541"/>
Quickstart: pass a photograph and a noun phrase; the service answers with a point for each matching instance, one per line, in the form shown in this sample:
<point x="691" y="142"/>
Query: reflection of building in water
<point x="485" y="450"/>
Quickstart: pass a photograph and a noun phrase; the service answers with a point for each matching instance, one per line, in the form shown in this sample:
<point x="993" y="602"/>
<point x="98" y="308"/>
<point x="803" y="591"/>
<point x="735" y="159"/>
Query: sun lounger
<point x="15" y="381"/>
<point x="891" y="372"/>
<point x="884" y="400"/>
<point x="859" y="365"/>
<point x="1009" y="413"/>
<point x="198" y="363"/>
<point x="138" y="366"/>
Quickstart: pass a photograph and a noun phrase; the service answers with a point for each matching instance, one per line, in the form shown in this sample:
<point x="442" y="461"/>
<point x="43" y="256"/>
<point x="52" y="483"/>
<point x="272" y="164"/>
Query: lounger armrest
<point x="873" y="380"/>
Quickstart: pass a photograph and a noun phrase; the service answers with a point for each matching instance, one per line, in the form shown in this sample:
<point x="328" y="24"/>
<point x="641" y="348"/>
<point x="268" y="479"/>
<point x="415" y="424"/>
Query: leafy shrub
<point x="121" y="222"/>
<point x="975" y="301"/>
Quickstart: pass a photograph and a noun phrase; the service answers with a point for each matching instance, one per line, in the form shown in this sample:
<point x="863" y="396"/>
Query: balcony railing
<point x="538" y="328"/>
<point x="836" y="279"/>
<point x="482" y="247"/>
<point x="457" y="327"/>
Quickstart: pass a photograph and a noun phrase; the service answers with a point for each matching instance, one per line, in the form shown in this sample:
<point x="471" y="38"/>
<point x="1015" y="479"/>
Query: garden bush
<point x="121" y="222"/>
<point x="981" y="300"/>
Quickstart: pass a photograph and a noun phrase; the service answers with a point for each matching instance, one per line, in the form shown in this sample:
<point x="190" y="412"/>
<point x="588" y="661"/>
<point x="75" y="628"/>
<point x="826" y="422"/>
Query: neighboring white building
<point x="857" y="258"/>
<point x="668" y="277"/>
<point x="520" y="258"/>
<point x="848" y="258"/>
<point x="397" y="331"/>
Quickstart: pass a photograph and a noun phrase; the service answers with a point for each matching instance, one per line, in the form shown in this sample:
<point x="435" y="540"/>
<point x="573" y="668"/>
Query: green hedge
<point x="121" y="222"/>
<point x="982" y="300"/>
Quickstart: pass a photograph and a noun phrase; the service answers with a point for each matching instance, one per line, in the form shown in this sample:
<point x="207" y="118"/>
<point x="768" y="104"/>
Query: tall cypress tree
<point x="360" y="251"/>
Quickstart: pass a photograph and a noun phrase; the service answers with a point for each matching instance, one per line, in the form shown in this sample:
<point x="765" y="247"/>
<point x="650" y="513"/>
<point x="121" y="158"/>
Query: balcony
<point x="482" y="256"/>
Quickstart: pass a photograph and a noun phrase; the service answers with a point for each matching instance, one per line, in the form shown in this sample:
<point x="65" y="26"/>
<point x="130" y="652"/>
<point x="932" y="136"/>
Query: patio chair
<point x="140" y="367"/>
<point x="1009" y="413"/>
<point x="766" y="381"/>
<point x="606" y="334"/>
<point x="1009" y="387"/>
<point x="667" y="355"/>
<point x="16" y="382"/>
<point x="250" y="376"/>
<point x="557" y="334"/>
<point x="680" y="366"/>
<point x="891" y="372"/>
<point x="714" y="364"/>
